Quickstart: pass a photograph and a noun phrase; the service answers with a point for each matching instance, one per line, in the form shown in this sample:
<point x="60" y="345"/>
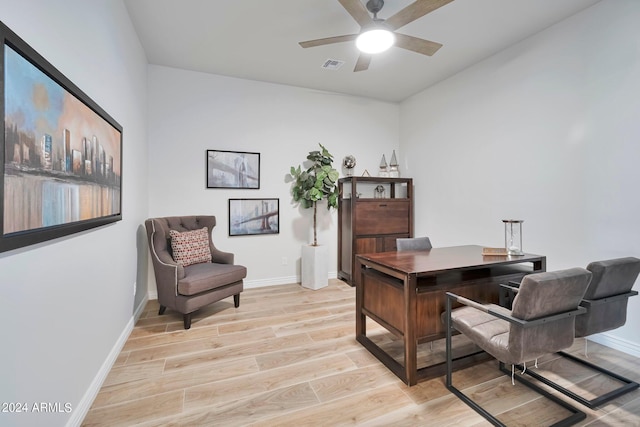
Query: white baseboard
<point x="258" y="283"/>
<point x="138" y="312"/>
<point x="261" y="283"/>
<point x="616" y="343"/>
<point x="87" y="400"/>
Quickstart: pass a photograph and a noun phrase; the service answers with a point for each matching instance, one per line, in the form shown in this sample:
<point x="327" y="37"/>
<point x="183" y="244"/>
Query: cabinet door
<point x="382" y="217"/>
<point x="366" y="245"/>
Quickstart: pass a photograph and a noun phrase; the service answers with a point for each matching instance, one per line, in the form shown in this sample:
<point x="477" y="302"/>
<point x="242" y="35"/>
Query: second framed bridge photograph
<point x="254" y="216"/>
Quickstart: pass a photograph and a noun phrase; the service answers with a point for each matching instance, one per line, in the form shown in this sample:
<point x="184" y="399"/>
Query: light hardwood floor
<point x="287" y="357"/>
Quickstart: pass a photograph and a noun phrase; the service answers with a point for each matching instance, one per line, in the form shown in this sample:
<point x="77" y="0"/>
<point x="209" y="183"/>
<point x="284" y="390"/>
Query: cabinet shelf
<point x="373" y="220"/>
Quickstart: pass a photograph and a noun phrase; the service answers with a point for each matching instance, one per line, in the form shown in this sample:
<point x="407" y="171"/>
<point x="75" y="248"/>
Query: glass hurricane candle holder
<point x="513" y="236"/>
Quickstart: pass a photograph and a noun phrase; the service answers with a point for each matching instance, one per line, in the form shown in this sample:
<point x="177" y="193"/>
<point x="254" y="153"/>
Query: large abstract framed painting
<point x="233" y="169"/>
<point x="254" y="216"/>
<point x="61" y="154"/>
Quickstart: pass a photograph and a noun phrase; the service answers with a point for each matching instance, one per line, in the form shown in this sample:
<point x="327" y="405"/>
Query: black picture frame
<point x="61" y="154"/>
<point x="254" y="216"/>
<point x="233" y="169"/>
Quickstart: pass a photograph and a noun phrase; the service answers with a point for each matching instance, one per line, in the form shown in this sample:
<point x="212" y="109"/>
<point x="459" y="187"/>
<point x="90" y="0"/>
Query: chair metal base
<point x="575" y="417"/>
<point x="597" y="401"/>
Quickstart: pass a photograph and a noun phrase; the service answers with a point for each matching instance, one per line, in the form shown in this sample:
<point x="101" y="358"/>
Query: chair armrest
<point x="509" y="318"/>
<point x="222" y="257"/>
<point x="592" y="302"/>
<point x="484" y="308"/>
<point x="164" y="264"/>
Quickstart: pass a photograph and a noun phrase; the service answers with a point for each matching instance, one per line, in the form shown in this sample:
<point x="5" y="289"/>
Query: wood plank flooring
<point x="288" y="357"/>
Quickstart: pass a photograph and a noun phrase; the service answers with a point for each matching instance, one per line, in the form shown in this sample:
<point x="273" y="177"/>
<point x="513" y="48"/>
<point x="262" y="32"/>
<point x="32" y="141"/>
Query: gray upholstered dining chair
<point x="413" y="244"/>
<point x="541" y="321"/>
<point x="606" y="304"/>
<point x="190" y="271"/>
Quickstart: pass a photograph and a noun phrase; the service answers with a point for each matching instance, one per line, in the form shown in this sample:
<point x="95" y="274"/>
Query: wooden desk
<point x="405" y="293"/>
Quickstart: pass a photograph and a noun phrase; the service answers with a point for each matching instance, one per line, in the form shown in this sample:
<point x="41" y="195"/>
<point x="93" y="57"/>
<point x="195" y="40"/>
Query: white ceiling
<point x="258" y="40"/>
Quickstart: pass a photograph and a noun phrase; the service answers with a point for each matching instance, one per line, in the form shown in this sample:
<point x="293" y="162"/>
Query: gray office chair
<point x="542" y="321"/>
<point x="413" y="244"/>
<point x="606" y="304"/>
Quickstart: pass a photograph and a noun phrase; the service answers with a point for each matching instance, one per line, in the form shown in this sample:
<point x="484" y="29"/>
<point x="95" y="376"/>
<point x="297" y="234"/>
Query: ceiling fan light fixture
<point x="375" y="41"/>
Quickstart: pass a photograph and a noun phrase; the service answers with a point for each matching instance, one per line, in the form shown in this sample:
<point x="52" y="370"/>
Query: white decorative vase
<point x="315" y="266"/>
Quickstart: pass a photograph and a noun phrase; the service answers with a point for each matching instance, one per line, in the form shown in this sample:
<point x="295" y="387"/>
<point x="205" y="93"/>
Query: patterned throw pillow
<point x="190" y="247"/>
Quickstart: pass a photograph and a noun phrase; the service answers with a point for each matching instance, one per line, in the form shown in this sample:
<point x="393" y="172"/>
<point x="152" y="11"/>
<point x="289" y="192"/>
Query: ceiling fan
<point x="356" y="9"/>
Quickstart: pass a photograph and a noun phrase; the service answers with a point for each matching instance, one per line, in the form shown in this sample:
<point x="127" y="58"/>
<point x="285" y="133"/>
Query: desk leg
<point x="361" y="321"/>
<point x="410" y="341"/>
<point x="540" y="266"/>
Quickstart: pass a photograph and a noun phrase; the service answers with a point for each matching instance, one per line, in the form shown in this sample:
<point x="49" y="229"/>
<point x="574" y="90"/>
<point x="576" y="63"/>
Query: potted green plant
<point x="312" y="185"/>
<point x="318" y="182"/>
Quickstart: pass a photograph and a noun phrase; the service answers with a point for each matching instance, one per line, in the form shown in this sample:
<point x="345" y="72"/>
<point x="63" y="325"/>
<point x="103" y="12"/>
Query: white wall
<point x="191" y="112"/>
<point x="65" y="304"/>
<point x="547" y="131"/>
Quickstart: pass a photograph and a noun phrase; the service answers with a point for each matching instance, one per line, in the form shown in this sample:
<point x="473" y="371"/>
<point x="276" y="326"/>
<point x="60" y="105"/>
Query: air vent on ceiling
<point x="332" y="64"/>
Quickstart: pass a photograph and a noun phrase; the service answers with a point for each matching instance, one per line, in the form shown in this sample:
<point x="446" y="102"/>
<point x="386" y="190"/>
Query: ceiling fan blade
<point x="328" y="40"/>
<point x="357" y="10"/>
<point x="363" y="62"/>
<point x="415" y="10"/>
<point x="415" y="44"/>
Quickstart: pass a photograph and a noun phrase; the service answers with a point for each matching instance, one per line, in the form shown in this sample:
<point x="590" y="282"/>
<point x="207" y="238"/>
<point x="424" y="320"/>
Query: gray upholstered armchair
<point x="190" y="271"/>
<point x="542" y="321"/>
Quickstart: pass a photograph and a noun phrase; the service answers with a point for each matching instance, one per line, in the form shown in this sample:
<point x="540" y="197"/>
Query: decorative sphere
<point x="349" y="162"/>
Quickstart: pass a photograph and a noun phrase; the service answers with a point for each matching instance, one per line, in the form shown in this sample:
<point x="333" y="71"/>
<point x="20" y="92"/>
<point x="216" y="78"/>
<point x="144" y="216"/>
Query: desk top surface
<point x="443" y="259"/>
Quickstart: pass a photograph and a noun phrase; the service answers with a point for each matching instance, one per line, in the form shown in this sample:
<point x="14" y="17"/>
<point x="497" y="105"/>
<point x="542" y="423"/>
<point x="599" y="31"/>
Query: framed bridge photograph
<point x="254" y="216"/>
<point x="233" y="169"/>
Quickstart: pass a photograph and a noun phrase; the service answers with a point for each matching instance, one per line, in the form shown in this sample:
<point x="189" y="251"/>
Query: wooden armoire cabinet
<point x="372" y="213"/>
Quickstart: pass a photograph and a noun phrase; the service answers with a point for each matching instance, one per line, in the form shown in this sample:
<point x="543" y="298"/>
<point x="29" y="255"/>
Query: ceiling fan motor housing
<point x="374" y="6"/>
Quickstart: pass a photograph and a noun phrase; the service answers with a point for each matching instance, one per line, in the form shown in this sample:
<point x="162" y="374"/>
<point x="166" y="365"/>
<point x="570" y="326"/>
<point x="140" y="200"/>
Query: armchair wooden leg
<point x="187" y="321"/>
<point x="161" y="311"/>
<point x="236" y="300"/>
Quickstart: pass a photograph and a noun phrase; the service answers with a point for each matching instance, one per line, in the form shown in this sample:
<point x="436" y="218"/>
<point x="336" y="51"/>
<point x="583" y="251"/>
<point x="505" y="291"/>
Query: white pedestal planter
<point x="315" y="266"/>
